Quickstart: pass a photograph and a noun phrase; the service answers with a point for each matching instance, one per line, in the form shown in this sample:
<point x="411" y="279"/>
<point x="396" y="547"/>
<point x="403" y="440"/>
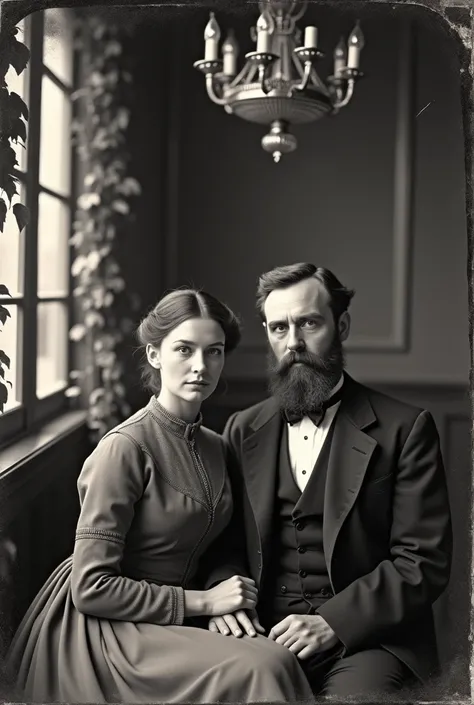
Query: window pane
<point x="10" y="343"/>
<point x="19" y="84"/>
<point x="11" y="251"/>
<point x="53" y="247"/>
<point x="51" y="370"/>
<point x="58" y="43"/>
<point x="55" y="141"/>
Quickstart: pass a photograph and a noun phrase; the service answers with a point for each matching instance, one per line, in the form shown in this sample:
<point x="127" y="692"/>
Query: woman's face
<point x="190" y="359"/>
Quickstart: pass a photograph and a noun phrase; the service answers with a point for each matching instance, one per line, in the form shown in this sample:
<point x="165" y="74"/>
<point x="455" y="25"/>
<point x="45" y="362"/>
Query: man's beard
<point x="300" y="389"/>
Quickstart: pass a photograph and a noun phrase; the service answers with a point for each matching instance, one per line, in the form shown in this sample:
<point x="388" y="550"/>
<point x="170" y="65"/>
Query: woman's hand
<point x="236" y="624"/>
<point x="236" y="593"/>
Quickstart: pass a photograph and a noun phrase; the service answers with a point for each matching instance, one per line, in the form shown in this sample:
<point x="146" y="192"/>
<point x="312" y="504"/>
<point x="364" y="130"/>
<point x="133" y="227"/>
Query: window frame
<point x="32" y="411"/>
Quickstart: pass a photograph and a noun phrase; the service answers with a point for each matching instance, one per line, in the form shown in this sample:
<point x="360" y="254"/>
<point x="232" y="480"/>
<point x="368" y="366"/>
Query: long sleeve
<point x="227" y="555"/>
<point x="111" y="483"/>
<point x="370" y="608"/>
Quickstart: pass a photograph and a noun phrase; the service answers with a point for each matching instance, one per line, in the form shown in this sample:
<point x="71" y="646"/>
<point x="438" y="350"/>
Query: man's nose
<point x="295" y="341"/>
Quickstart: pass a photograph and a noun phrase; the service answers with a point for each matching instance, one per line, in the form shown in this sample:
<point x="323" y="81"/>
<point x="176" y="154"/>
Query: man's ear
<point x="344" y="325"/>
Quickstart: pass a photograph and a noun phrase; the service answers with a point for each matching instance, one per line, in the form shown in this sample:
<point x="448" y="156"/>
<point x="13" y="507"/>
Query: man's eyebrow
<point x="298" y="319"/>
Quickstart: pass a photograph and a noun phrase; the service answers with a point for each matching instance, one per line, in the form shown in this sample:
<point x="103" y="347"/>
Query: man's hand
<point x="304" y="634"/>
<point x="238" y="623"/>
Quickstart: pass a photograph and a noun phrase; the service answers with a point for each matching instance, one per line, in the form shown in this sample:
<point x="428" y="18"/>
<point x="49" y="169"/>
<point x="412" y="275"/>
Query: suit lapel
<point x="260" y="463"/>
<point x="350" y="454"/>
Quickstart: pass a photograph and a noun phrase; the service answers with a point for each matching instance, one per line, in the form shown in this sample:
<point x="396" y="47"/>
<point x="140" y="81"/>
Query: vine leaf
<point x="3" y="290"/>
<point x="3" y="395"/>
<point x="4" y="314"/>
<point x="9" y="186"/>
<point x="22" y="215"/>
<point x="3" y="214"/>
<point x="18" y="130"/>
<point x="17" y="106"/>
<point x="19" y="55"/>
<point x="4" y="359"/>
<point x="77" y="332"/>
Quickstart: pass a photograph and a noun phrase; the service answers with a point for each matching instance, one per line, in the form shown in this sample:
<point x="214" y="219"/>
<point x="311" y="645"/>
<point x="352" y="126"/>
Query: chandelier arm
<point x="318" y="82"/>
<point x="211" y="91"/>
<point x="250" y="70"/>
<point x="305" y="79"/>
<point x="300" y="13"/>
<point x="251" y="74"/>
<point x="262" y="77"/>
<point x="347" y="98"/>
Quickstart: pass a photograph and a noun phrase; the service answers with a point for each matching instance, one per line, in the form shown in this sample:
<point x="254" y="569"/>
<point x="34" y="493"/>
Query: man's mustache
<point x="303" y="357"/>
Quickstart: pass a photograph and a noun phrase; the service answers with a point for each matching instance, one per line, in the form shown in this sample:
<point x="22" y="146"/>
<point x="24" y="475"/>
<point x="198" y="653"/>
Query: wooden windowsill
<point x="24" y="450"/>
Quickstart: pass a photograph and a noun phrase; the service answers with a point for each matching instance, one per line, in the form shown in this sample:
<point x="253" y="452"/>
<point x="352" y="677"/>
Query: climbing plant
<point x="102" y="221"/>
<point x="13" y="118"/>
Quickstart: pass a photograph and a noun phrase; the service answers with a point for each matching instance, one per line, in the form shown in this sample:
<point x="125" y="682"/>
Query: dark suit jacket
<point x="387" y="527"/>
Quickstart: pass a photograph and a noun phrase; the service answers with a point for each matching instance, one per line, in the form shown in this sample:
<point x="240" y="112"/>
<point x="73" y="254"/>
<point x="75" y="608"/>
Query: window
<point x="35" y="264"/>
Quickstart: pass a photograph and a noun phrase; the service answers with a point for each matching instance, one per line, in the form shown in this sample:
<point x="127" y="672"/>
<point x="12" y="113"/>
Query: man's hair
<point x="281" y="277"/>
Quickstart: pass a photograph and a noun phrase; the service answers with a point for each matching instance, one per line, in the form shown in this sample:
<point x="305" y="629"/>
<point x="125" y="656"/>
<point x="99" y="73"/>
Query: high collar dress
<point x="109" y="624"/>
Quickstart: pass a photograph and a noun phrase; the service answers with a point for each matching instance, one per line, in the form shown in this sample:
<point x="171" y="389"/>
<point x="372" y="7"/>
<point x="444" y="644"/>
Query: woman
<point x="115" y="621"/>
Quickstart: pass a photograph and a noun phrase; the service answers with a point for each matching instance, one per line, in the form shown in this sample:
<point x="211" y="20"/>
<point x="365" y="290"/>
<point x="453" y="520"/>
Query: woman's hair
<point x="173" y="309"/>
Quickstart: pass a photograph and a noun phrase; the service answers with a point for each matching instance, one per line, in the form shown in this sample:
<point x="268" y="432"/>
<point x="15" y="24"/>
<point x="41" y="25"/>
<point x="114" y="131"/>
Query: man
<point x="344" y="500"/>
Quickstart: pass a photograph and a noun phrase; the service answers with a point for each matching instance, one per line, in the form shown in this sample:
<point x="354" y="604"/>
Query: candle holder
<point x="308" y="55"/>
<point x="263" y="60"/>
<point x="342" y="87"/>
<point x="212" y="70"/>
<point x="209" y="67"/>
<point x="280" y="87"/>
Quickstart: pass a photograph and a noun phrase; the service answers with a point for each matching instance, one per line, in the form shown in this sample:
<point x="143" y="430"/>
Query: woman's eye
<point x="215" y="351"/>
<point x="184" y="349"/>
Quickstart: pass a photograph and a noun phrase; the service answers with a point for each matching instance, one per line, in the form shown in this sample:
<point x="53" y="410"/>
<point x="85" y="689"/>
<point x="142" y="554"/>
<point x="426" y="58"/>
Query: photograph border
<point x="458" y="19"/>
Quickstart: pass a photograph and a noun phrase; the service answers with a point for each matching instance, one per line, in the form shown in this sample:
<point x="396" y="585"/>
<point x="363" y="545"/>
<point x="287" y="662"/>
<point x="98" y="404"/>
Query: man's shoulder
<point x="247" y="416"/>
<point x="387" y="405"/>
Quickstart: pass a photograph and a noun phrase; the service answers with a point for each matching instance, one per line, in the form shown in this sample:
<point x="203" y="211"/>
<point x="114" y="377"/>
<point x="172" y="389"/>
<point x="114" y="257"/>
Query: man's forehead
<point x="309" y="296"/>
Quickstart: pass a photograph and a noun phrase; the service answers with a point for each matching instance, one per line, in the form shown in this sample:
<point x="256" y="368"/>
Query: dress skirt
<point x="62" y="655"/>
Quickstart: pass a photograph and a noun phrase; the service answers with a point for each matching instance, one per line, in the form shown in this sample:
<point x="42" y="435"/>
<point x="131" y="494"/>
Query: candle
<point x="230" y="49"/>
<point x="311" y="37"/>
<point x="212" y="34"/>
<point x="339" y="57"/>
<point x="263" y="34"/>
<point x="356" y="44"/>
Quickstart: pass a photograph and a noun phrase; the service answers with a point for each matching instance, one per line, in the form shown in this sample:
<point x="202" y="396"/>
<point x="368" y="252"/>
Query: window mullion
<point x="29" y="347"/>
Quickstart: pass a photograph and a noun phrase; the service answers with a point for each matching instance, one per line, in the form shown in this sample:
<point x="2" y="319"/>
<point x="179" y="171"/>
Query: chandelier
<point x="278" y="84"/>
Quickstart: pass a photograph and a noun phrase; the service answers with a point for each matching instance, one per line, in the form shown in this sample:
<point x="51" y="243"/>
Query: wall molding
<point x="399" y="339"/>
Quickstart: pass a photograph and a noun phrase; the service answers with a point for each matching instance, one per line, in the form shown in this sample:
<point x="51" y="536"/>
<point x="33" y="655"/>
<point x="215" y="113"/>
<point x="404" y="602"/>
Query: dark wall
<point x="39" y="508"/>
<point x="375" y="193"/>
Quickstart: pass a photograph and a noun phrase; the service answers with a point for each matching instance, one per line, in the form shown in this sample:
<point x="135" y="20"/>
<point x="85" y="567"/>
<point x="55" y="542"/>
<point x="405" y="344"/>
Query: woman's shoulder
<point x="139" y="428"/>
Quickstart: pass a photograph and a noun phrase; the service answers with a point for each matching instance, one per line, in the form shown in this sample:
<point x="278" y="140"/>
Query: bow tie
<point x="316" y="415"/>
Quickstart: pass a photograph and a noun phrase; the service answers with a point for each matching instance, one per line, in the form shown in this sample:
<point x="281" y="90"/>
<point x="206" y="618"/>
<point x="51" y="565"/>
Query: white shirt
<point x="305" y="441"/>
